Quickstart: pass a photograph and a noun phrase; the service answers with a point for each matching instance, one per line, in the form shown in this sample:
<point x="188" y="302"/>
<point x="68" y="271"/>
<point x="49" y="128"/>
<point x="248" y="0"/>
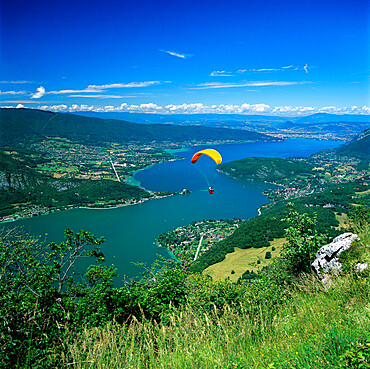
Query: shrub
<point x="303" y="242"/>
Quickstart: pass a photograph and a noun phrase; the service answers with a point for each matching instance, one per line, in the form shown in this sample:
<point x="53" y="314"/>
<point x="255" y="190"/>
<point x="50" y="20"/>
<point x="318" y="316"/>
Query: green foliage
<point x="359" y="217"/>
<point x="265" y="169"/>
<point x="255" y="232"/>
<point x="359" y="147"/>
<point x="357" y="355"/>
<point x="303" y="241"/>
<point x="34" y="301"/>
<point x="26" y="186"/>
<point x="268" y="255"/>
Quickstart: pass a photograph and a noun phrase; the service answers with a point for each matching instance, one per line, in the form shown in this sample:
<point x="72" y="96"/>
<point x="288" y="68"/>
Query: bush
<point x="268" y="255"/>
<point x="303" y="241"/>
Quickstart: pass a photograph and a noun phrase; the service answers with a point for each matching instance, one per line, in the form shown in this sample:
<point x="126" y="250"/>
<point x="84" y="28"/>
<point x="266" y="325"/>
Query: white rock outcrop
<point x="327" y="257"/>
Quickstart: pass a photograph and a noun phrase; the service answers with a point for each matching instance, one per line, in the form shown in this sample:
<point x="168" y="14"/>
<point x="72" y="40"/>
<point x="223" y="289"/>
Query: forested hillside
<point x="265" y="169"/>
<point x="360" y="146"/>
<point x="22" y="187"/>
<point x="16" y="124"/>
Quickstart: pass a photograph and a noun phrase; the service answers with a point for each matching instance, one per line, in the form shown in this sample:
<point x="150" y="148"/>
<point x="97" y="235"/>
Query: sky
<point x="272" y="57"/>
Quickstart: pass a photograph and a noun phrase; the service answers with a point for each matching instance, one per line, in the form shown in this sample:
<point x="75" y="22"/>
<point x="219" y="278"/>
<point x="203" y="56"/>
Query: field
<point x="243" y="259"/>
<point x="342" y="219"/>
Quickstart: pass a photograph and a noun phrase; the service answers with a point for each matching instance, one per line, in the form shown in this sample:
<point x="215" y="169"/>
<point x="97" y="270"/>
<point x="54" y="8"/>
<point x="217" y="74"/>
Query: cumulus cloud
<point x="40" y="92"/>
<point x="200" y="108"/>
<point x="173" y="53"/>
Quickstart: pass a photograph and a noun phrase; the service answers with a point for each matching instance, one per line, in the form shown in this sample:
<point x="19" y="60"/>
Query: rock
<point x="360" y="267"/>
<point x="327" y="257"/>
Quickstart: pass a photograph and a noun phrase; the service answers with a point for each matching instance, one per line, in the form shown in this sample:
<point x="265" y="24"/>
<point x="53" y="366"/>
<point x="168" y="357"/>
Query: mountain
<point x="214" y="118"/>
<point x="16" y="124"/>
<point x="327" y="118"/>
<point x="359" y="146"/>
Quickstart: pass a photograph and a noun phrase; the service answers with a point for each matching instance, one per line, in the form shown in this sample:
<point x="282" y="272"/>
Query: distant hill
<point x="359" y="146"/>
<point x="209" y="119"/>
<point x="327" y="118"/>
<point x="16" y="124"/>
<point x="265" y="169"/>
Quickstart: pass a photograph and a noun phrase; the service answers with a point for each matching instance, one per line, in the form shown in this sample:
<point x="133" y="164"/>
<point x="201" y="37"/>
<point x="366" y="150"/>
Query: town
<point x="197" y="237"/>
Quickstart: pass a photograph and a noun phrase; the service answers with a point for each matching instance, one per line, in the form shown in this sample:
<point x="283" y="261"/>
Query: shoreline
<point x="138" y="184"/>
<point x="141" y="201"/>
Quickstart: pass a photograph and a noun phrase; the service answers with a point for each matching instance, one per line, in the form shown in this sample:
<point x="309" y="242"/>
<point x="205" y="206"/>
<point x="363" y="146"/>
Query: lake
<point x="131" y="231"/>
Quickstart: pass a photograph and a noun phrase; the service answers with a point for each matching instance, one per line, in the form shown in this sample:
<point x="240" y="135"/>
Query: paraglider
<point x="213" y="154"/>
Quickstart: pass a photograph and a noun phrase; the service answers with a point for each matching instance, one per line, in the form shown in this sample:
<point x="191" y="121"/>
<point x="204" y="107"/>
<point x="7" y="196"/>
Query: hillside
<point x="24" y="190"/>
<point x="17" y="124"/>
<point x="359" y="146"/>
<point x="265" y="169"/>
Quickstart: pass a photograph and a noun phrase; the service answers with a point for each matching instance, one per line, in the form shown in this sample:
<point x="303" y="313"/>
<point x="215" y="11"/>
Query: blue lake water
<point x="131" y="231"/>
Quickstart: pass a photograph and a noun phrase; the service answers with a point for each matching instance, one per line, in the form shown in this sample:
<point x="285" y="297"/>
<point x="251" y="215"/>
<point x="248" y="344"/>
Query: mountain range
<point x="16" y="124"/>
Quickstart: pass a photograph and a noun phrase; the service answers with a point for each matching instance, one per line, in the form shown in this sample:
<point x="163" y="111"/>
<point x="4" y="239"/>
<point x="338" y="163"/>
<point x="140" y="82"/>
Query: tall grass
<point x="311" y="331"/>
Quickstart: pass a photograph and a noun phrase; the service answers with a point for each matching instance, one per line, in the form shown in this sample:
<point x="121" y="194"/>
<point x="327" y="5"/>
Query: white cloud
<point x="101" y="96"/>
<point x="13" y="92"/>
<point x="16" y="82"/>
<point x="126" y="85"/>
<point x="266" y="70"/>
<point x="199" y="108"/>
<point x="173" y="53"/>
<point x="18" y="102"/>
<point x="39" y="93"/>
<point x="245" y="84"/>
<point x="221" y="73"/>
<point x="61" y="107"/>
<point x="62" y="92"/>
<point x="279" y="69"/>
<point x="306" y="68"/>
<point x="19" y="106"/>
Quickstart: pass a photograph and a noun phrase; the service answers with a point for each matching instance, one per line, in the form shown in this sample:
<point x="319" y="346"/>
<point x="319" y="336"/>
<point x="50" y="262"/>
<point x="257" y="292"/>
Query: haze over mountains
<point x="343" y="126"/>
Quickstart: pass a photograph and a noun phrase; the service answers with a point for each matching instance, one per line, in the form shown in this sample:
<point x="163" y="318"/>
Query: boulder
<point x="327" y="257"/>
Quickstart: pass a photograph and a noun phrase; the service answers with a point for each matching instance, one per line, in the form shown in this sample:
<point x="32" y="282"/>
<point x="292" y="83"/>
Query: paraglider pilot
<point x="215" y="155"/>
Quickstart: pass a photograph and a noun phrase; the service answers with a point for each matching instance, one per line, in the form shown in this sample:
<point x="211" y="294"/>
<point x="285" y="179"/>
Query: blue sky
<point x="250" y="57"/>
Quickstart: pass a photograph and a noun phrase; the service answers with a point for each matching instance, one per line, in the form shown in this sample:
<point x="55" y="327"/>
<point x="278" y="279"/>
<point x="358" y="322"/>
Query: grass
<point x="343" y="221"/>
<point x="312" y="329"/>
<point x="242" y="260"/>
<point x="310" y="332"/>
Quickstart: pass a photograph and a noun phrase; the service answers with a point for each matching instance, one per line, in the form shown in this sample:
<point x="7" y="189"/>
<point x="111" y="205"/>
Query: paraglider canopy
<point x="215" y="155"/>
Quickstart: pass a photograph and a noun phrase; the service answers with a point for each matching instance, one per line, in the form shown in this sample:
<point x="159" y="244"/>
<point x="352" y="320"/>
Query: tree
<point x="35" y="303"/>
<point x="303" y="241"/>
